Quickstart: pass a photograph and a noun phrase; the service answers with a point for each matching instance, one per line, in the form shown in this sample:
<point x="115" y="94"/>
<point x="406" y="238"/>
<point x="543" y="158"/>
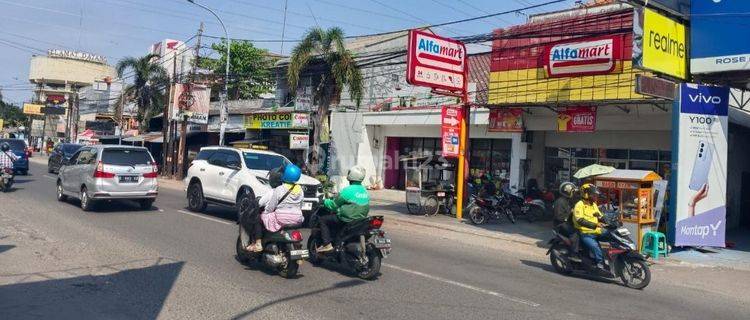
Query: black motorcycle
<point x="359" y="245"/>
<point x="282" y="250"/>
<point x="621" y="257"/>
<point x="481" y="209"/>
<point x="6" y="179"/>
<point x="442" y="200"/>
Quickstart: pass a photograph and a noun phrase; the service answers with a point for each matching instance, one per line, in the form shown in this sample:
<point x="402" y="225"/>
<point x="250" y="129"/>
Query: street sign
<point x="436" y="62"/>
<point x="37" y="128"/>
<point x="299" y="141"/>
<point x="452" y="118"/>
<point x="33" y="109"/>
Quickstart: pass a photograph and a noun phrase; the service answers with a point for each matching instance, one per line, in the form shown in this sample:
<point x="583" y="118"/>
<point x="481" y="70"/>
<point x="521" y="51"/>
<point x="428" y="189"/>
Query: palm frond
<point x="301" y="55"/>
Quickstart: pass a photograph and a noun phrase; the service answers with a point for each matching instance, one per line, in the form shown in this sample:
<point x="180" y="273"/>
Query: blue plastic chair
<point x="653" y="244"/>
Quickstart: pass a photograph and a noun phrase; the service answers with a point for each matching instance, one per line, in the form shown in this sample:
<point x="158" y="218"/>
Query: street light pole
<point x="223" y="96"/>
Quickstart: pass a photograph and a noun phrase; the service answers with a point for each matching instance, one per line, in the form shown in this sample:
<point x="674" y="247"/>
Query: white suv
<point x="225" y="176"/>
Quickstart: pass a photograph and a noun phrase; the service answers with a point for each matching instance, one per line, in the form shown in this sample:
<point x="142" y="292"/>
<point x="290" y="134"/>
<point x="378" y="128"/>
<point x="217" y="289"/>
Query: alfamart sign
<point x="436" y="62"/>
<point x="75" y="55"/>
<point x="580" y="58"/>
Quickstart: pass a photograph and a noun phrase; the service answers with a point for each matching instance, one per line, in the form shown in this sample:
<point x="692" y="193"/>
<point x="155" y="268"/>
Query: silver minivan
<point x="109" y="172"/>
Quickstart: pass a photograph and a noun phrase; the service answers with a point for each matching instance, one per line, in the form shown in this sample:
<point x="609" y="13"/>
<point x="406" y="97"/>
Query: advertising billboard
<point x="191" y="100"/>
<point x="436" y="62"/>
<point x="33" y="109"/>
<point x="576" y="119"/>
<point x="505" y="120"/>
<point x="277" y="121"/>
<point x="582" y="58"/>
<point x="659" y="44"/>
<point x="701" y="175"/>
<point x="720" y="32"/>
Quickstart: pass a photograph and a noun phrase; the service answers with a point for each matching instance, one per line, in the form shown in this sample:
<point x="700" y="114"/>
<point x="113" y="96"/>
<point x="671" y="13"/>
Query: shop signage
<point x="701" y="144"/>
<point x="37" y="128"/>
<point x="75" y="55"/>
<point x="56" y="99"/>
<point x="576" y="119"/>
<point x="53" y="110"/>
<point x="451" y="120"/>
<point x="659" y="44"/>
<point x="2" y="123"/>
<point x="299" y="141"/>
<point x="33" y="109"/>
<point x="579" y="58"/>
<point x="436" y="62"/>
<point x="720" y="39"/>
<point x="655" y="87"/>
<point x="191" y="100"/>
<point x="506" y="120"/>
<point x="277" y="121"/>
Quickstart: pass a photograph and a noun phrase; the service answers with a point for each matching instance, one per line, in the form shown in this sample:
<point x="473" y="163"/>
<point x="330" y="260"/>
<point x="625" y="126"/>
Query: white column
<point x="515" y="161"/>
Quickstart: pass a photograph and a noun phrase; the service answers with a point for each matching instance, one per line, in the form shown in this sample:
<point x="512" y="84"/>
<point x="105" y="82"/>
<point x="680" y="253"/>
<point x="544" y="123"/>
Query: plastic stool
<point x="653" y="244"/>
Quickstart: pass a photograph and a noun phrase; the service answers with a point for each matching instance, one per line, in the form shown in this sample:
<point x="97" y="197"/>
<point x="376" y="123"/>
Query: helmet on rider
<point x="292" y="173"/>
<point x="567" y="189"/>
<point x="4" y="146"/>
<point x="356" y="173"/>
<point x="589" y="192"/>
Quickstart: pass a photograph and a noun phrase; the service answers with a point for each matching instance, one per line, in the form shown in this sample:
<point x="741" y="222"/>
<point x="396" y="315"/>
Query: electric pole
<point x="184" y="117"/>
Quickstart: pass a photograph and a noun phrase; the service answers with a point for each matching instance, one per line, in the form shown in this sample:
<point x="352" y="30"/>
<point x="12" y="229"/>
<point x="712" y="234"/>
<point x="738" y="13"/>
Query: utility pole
<point x="183" y="125"/>
<point x="165" y="124"/>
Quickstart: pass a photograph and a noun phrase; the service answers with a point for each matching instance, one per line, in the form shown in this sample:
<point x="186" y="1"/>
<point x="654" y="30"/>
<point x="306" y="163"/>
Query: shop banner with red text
<point x="451" y="120"/>
<point x="506" y="120"/>
<point x="576" y="119"/>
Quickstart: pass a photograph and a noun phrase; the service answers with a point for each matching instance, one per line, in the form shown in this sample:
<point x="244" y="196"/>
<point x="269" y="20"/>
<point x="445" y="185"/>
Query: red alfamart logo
<point x="588" y="57"/>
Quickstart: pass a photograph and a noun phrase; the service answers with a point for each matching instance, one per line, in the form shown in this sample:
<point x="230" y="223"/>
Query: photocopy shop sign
<point x="436" y="62"/>
<point x="580" y="58"/>
<point x="277" y="121"/>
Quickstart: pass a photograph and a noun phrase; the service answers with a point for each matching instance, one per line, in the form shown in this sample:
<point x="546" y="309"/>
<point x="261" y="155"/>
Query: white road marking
<point x="204" y="217"/>
<point x="465" y="286"/>
<point x="50" y="177"/>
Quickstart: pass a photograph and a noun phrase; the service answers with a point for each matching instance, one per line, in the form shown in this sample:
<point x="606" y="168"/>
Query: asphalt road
<point x="122" y="263"/>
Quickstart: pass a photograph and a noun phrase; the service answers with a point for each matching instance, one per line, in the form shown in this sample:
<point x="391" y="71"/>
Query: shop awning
<point x="640" y="175"/>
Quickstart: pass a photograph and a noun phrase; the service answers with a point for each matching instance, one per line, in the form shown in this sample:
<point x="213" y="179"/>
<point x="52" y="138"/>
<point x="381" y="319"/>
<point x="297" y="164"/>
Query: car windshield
<point x="125" y="157"/>
<point x="15" y="144"/>
<point x="69" y="149"/>
<point x="260" y="161"/>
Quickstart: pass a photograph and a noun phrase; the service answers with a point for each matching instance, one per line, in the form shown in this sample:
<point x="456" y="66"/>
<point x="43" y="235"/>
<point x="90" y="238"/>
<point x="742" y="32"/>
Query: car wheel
<point x="146" y="204"/>
<point x="60" y="194"/>
<point x="196" y="201"/>
<point x="25" y="173"/>
<point x="246" y="203"/>
<point x="86" y="203"/>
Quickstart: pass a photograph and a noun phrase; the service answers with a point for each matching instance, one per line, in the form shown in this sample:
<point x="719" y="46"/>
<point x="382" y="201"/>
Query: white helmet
<point x="356" y="173"/>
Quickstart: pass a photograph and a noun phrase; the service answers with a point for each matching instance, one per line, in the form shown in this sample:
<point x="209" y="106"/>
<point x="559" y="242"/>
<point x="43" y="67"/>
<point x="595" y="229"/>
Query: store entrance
<point x="745" y="202"/>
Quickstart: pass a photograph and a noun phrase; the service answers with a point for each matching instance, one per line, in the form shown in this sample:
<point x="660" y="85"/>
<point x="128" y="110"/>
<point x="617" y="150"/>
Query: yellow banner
<point x="33" y="109"/>
<point x="663" y="43"/>
<point x="2" y="123"/>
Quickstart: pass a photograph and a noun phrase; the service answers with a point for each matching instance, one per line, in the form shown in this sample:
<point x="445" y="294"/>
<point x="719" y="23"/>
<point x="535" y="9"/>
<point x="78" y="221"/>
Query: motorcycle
<point x="282" y="250"/>
<point x="482" y="209"/>
<point x="622" y="260"/>
<point x="6" y="179"/>
<point x="445" y="199"/>
<point x="360" y="245"/>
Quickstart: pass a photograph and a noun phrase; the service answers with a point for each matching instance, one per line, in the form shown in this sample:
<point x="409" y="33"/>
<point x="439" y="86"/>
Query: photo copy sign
<point x="436" y="62"/>
<point x="700" y="208"/>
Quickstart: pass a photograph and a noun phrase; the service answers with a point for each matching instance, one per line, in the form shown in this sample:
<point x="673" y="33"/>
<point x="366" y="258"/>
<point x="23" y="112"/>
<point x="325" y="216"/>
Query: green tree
<point x="11" y="114"/>
<point x="325" y="49"/>
<point x="150" y="81"/>
<point x="250" y="69"/>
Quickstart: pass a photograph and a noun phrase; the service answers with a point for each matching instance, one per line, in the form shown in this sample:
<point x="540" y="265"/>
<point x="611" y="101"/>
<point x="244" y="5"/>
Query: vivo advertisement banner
<point x="719" y="33"/>
<point x="700" y="204"/>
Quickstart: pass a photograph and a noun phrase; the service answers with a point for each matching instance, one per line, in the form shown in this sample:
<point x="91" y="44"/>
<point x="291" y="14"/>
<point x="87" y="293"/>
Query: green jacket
<point x="353" y="203"/>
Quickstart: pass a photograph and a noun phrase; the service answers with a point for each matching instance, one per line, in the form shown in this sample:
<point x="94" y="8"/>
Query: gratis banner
<point x="701" y="165"/>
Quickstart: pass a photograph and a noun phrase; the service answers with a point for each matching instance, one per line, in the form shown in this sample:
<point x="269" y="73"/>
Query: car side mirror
<point x="65" y="161"/>
<point x="234" y="166"/>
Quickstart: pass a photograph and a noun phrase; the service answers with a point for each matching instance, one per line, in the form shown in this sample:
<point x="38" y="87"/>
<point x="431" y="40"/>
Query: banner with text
<point x="277" y="121"/>
<point x="576" y="119"/>
<point x="506" y="120"/>
<point x="452" y="118"/>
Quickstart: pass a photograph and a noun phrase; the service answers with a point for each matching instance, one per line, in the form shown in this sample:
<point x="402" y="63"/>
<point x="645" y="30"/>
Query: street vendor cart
<point x="429" y="185"/>
<point x="632" y="194"/>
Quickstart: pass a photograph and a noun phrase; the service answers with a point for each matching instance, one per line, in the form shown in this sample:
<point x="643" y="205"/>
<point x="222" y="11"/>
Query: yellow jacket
<point x="586" y="218"/>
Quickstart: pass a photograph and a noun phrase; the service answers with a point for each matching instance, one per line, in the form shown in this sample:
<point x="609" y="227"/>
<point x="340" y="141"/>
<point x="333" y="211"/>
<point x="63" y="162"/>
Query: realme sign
<point x="662" y="44"/>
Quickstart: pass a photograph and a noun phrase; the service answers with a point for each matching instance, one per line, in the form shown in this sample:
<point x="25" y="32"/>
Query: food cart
<point x="423" y="181"/>
<point x="630" y="193"/>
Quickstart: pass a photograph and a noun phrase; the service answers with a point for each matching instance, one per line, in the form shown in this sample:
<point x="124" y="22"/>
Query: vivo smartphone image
<point x="701" y="166"/>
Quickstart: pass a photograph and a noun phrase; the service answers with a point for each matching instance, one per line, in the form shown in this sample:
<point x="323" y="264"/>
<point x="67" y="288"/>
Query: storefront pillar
<point x="516" y="154"/>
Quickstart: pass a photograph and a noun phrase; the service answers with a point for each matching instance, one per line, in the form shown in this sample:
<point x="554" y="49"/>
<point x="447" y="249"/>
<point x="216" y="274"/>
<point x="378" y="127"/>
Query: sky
<point x="120" y="28"/>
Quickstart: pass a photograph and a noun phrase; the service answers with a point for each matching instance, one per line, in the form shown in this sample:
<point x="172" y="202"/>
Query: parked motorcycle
<point x="621" y="257"/>
<point x="482" y="209"/>
<point x="6" y="179"/>
<point x="282" y="250"/>
<point x="359" y="245"/>
<point x="527" y="207"/>
<point x="445" y="198"/>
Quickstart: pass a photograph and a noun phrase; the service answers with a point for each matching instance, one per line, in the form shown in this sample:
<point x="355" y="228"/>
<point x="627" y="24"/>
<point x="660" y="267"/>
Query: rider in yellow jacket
<point x="586" y="217"/>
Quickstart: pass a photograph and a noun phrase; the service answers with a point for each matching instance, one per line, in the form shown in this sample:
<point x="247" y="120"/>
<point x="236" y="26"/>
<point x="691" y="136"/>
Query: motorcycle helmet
<point x="4" y="147"/>
<point x="356" y="173"/>
<point x="292" y="173"/>
<point x="568" y="189"/>
<point x="589" y="191"/>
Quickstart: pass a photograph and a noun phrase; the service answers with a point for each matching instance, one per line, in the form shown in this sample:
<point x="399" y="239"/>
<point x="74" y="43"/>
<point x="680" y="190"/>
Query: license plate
<point x="382" y="243"/>
<point x="300" y="254"/>
<point x="623" y="231"/>
<point x="441" y="194"/>
<point x="307" y="206"/>
<point x="128" y="179"/>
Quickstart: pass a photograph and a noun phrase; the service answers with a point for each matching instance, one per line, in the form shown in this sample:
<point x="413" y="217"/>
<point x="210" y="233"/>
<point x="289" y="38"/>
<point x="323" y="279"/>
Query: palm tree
<point x="147" y="90"/>
<point x="325" y="48"/>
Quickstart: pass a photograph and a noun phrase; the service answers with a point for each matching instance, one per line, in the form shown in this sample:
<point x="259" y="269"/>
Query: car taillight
<point x="100" y="173"/>
<point x="376" y="223"/>
<point x="154" y="172"/>
<point x="528" y="199"/>
<point x="296" y="235"/>
<point x="8" y="170"/>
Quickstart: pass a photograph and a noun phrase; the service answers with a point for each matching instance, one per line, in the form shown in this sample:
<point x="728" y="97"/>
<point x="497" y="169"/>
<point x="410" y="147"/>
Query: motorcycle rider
<point x="352" y="203"/>
<point x="586" y="217"/>
<point x="283" y="206"/>
<point x="563" y="208"/>
<point x="6" y="158"/>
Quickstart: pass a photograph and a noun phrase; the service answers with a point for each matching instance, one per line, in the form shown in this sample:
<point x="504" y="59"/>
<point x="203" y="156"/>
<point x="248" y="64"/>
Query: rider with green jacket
<point x="352" y="203"/>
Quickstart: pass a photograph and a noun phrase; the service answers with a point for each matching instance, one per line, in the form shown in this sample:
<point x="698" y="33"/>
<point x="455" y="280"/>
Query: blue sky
<point x="118" y="28"/>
